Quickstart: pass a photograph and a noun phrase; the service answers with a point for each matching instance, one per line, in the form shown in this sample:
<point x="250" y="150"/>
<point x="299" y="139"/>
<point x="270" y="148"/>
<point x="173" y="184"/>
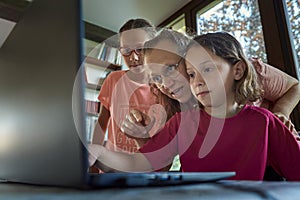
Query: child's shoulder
<point x="258" y="110"/>
<point x="115" y="76"/>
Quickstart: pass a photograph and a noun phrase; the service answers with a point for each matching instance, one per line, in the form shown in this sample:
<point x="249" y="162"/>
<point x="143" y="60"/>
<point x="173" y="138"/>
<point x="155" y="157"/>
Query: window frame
<point x="277" y="35"/>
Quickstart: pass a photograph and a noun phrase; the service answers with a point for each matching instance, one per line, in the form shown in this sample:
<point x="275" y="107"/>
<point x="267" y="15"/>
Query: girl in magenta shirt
<point x="224" y="135"/>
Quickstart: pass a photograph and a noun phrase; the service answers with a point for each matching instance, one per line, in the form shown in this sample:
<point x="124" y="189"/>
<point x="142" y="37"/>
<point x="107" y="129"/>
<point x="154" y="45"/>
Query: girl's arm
<point x="99" y="131"/>
<point x="137" y="125"/>
<point x="110" y="161"/>
<point x="101" y="126"/>
<point x="142" y="126"/>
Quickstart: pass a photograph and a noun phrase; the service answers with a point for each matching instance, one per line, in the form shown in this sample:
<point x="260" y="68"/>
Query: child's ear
<point x="239" y="70"/>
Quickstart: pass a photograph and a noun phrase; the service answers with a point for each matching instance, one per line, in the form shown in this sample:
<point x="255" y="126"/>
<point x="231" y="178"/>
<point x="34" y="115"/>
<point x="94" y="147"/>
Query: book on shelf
<point x="91" y="122"/>
<point x="95" y="86"/>
<point x="92" y="107"/>
<point x="106" y="51"/>
<point x="94" y="52"/>
<point x="102" y="64"/>
<point x="100" y="49"/>
<point x="112" y="55"/>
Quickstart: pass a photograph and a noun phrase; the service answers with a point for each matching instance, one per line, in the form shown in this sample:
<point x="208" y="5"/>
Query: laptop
<point x="39" y="141"/>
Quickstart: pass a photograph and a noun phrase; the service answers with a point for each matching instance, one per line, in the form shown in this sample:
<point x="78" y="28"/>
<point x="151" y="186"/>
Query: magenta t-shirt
<point x="244" y="143"/>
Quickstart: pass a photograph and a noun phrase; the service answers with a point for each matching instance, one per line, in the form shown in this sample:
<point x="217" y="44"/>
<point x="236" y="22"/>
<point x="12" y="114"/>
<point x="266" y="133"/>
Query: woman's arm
<point x="279" y="88"/>
<point x="289" y="100"/>
<point x="285" y="105"/>
<point x="110" y="161"/>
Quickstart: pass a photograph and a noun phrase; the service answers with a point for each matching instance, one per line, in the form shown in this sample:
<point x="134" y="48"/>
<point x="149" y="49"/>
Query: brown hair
<point x="171" y="106"/>
<point x="227" y="47"/>
<point x="138" y="23"/>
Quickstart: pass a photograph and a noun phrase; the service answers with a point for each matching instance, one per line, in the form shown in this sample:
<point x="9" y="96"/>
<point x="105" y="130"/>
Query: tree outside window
<point x="293" y="7"/>
<point x="241" y="18"/>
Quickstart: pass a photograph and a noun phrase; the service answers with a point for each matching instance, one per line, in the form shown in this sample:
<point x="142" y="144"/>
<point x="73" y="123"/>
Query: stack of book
<point x="92" y="107"/>
<point x="106" y="53"/>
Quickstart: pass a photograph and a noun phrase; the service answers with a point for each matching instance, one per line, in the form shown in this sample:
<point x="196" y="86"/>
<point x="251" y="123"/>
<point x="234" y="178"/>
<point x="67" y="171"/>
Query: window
<point x="178" y="24"/>
<point x="293" y="7"/>
<point x="259" y="25"/>
<point x="241" y="18"/>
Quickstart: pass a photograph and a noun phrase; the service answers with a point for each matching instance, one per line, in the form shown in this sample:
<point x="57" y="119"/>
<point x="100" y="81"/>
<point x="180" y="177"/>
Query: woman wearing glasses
<point x="125" y="90"/>
<point x="167" y="71"/>
<point x="170" y="82"/>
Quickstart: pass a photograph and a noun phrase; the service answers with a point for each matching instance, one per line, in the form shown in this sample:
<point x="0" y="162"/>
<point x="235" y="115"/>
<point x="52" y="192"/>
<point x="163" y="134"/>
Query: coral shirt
<point x="244" y="143"/>
<point x="273" y="83"/>
<point x="119" y="95"/>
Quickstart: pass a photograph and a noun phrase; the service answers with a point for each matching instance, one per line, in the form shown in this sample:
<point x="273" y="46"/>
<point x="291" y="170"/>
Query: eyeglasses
<point x="126" y="51"/>
<point x="169" y="71"/>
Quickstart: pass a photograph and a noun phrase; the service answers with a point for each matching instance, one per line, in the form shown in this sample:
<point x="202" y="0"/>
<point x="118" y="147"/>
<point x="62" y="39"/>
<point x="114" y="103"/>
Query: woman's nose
<point x="167" y="82"/>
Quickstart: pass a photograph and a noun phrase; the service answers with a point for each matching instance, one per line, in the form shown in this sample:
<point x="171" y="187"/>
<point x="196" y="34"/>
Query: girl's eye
<point x="191" y="74"/>
<point x="139" y="50"/>
<point x="126" y="51"/>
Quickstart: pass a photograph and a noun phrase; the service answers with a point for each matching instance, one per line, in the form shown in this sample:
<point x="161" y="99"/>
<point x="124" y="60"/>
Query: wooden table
<point x="223" y="190"/>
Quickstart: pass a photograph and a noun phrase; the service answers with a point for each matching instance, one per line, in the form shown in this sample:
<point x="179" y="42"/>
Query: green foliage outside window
<point x="241" y="18"/>
<point x="293" y="7"/>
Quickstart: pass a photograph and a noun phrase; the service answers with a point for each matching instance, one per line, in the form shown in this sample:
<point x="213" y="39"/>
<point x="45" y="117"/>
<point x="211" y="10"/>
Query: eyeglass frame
<point x="135" y="50"/>
<point x="169" y="76"/>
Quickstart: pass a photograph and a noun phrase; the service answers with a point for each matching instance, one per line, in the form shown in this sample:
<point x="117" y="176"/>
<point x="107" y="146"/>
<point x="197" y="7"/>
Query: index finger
<point x="137" y="115"/>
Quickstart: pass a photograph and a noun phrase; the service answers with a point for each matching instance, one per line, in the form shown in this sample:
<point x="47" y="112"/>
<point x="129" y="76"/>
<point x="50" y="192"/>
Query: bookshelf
<point x="100" y="63"/>
<point x="100" y="60"/>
